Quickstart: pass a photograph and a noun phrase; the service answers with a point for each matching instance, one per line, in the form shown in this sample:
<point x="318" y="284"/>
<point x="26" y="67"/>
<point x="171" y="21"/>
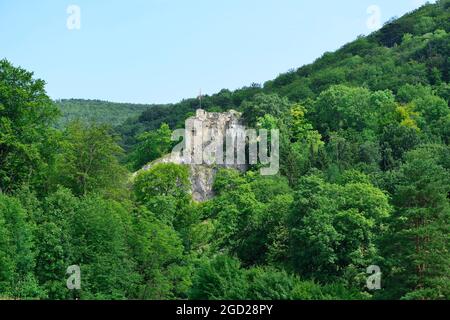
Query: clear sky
<point x="159" y="51"/>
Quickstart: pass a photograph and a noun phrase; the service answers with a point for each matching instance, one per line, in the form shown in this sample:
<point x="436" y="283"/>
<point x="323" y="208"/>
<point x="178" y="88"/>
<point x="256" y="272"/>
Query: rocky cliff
<point x="203" y="140"/>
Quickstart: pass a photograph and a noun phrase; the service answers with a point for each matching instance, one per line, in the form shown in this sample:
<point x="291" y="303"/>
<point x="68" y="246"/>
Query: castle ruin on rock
<point x="202" y="149"/>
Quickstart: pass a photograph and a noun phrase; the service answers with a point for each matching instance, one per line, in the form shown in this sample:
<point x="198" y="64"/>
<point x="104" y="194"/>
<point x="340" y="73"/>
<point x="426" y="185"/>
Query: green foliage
<point x="341" y="107"/>
<point x="164" y="190"/>
<point x="248" y="212"/>
<point x="219" y="279"/>
<point x="90" y="232"/>
<point x="400" y="54"/>
<point x="17" y="258"/>
<point x="100" y="232"/>
<point x="261" y="105"/>
<point x="151" y="146"/>
<point x="417" y="247"/>
<point x="333" y="228"/>
<point x="223" y="278"/>
<point x="159" y="253"/>
<point x="301" y="146"/>
<point x="165" y="179"/>
<point x="271" y="284"/>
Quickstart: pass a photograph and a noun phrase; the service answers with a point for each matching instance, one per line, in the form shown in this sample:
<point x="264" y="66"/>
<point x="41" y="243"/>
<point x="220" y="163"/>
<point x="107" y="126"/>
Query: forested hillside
<point x="98" y="111"/>
<point x="364" y="181"/>
<point x="410" y="51"/>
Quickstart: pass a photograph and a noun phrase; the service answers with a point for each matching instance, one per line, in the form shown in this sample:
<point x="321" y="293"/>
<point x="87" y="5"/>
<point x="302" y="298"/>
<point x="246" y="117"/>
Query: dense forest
<point x="97" y="111"/>
<point x="364" y="180"/>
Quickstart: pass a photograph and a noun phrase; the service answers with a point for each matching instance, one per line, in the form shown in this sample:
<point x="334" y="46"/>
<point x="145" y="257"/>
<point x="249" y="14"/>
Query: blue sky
<point x="159" y="51"/>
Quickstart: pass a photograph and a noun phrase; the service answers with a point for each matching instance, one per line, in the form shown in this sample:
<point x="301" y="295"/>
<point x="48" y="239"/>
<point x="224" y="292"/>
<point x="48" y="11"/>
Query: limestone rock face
<point x="202" y="179"/>
<point x="202" y="149"/>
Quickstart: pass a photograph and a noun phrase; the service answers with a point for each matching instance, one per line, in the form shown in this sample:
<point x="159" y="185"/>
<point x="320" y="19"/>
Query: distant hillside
<point x="99" y="111"/>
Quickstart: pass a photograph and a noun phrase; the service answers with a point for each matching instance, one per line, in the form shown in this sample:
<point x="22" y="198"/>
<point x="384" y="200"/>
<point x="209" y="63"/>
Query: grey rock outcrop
<point x="204" y="138"/>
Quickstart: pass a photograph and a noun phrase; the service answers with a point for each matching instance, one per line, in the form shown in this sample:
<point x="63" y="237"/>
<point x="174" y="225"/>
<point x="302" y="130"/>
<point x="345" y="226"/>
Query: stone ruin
<point x="213" y="126"/>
